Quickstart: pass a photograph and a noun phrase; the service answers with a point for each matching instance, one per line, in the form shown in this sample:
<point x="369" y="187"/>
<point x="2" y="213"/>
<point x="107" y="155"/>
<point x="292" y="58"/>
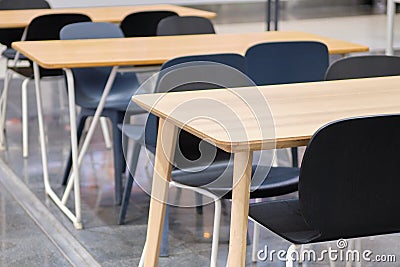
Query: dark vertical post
<point x="276" y="14"/>
<point x="268" y="15"/>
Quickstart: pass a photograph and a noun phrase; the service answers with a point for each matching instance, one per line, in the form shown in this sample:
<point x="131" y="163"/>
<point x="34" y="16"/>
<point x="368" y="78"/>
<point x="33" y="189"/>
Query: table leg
<point x="240" y="208"/>
<point x="42" y="134"/>
<point x="74" y="143"/>
<point x="165" y="151"/>
<point x="89" y="135"/>
<point x="391" y="10"/>
<point x="74" y="218"/>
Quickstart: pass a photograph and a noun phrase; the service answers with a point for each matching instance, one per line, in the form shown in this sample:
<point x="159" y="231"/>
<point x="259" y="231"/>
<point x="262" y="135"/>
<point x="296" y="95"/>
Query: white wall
<point x="82" y="3"/>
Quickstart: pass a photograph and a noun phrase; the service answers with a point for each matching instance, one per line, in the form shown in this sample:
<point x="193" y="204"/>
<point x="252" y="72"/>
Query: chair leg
<point x="357" y="247"/>
<point x="295" y="157"/>
<point x="331" y="262"/>
<point x="215" y="241"/>
<point x="351" y="247"/>
<point x="119" y="161"/>
<point x="256" y="234"/>
<point x="25" y="117"/>
<point x="217" y="218"/>
<point x="300" y="248"/>
<point x="129" y="181"/>
<point x="125" y="199"/>
<point x="81" y="124"/>
<point x="199" y="203"/>
<point x="106" y="132"/>
<point x="289" y="255"/>
<point x="4" y="95"/>
<point x="164" y="248"/>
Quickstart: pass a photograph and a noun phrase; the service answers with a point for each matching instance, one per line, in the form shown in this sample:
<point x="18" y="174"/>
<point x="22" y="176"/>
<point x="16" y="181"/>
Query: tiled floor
<point x="35" y="232"/>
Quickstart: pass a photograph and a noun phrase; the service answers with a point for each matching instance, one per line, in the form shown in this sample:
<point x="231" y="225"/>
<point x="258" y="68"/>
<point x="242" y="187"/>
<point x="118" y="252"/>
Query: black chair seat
<point x="24" y="71"/>
<point x="284" y="219"/>
<point x="28" y="72"/>
<point x="279" y="181"/>
<point x="10" y="53"/>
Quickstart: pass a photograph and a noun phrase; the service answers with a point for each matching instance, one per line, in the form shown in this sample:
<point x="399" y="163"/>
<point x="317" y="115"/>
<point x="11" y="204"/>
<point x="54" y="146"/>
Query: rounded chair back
<point x="7" y="36"/>
<point x="363" y="67"/>
<point x="90" y="82"/>
<point x="287" y="62"/>
<point x="143" y="24"/>
<point x="349" y="178"/>
<point x="193" y="80"/>
<point x="176" y="25"/>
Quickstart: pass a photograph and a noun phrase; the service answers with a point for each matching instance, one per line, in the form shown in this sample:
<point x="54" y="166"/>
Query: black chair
<point x="143" y="24"/>
<point x="348" y="184"/>
<point x="7" y="36"/>
<point x="287" y="62"/>
<point x="363" y="67"/>
<point x="176" y="25"/>
<point x="45" y="27"/>
<point x="214" y="180"/>
<point x="89" y="84"/>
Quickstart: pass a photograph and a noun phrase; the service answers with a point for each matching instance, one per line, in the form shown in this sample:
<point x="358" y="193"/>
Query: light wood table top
<point x="157" y="50"/>
<point x="115" y="14"/>
<point x="298" y="110"/>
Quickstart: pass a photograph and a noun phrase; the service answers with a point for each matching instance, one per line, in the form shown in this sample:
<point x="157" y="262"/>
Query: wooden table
<point x="298" y="111"/>
<point x="115" y="14"/>
<point x="69" y="54"/>
<point x="157" y="50"/>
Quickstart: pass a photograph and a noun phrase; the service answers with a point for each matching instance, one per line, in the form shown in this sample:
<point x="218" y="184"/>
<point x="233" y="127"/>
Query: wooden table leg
<point x="166" y="143"/>
<point x="240" y="208"/>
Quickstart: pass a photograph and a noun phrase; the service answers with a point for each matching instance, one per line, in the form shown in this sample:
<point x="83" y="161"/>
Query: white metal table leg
<point x="96" y="117"/>
<point x="391" y="10"/>
<point x="76" y="219"/>
<point x="25" y="117"/>
<point x="74" y="142"/>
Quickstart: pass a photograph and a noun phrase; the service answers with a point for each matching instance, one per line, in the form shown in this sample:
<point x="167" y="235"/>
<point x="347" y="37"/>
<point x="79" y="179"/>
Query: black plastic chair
<point x="348" y="185"/>
<point x="45" y="27"/>
<point x="89" y="85"/>
<point x="287" y="62"/>
<point x="143" y="24"/>
<point x="176" y="25"/>
<point x="7" y="36"/>
<point x="280" y="180"/>
<point x="363" y="67"/>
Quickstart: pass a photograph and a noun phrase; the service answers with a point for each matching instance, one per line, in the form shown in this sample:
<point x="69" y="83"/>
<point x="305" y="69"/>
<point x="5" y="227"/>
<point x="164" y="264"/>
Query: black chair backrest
<point x="363" y="67"/>
<point x="349" y="178"/>
<point x="48" y="27"/>
<point x="287" y="62"/>
<point x="143" y="24"/>
<point x="176" y="25"/>
<point x="23" y="4"/>
<point x="7" y="36"/>
<point x="173" y="73"/>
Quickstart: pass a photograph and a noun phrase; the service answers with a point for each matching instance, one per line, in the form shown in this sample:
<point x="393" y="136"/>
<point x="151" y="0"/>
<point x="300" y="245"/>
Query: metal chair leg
<point x="256" y="235"/>
<point x="289" y="255"/>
